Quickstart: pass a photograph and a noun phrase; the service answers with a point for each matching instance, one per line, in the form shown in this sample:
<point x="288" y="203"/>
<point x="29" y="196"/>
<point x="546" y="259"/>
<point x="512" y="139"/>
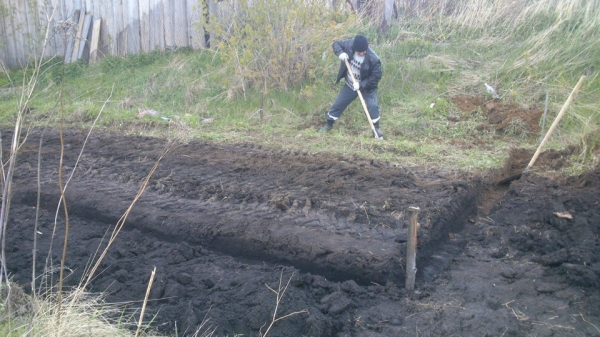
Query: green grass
<point x="425" y="62"/>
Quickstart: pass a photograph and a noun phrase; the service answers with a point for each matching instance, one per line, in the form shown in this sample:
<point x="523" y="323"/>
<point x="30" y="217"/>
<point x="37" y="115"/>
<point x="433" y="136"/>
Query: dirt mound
<point x="548" y="163"/>
<point x="509" y="117"/>
<point x="228" y="226"/>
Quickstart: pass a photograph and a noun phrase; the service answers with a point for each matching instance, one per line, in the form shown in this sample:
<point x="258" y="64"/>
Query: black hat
<point x="360" y="43"/>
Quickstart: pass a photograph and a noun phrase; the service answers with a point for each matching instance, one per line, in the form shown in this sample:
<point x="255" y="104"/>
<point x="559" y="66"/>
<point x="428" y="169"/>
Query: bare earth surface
<point x="224" y="225"/>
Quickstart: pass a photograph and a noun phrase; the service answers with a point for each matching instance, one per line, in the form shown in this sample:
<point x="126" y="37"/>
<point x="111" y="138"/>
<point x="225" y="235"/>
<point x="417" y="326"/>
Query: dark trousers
<point x="346" y="96"/>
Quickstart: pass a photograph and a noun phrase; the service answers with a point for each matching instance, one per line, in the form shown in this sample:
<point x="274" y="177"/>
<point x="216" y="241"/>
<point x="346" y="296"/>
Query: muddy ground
<point x="224" y="225"/>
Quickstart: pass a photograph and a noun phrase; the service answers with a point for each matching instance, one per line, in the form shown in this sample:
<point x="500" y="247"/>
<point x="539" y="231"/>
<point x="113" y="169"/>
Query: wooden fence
<point x="92" y="28"/>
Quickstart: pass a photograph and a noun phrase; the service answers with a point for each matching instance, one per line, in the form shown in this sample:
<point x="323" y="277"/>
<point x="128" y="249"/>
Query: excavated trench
<point x="217" y="210"/>
<point x="336" y="217"/>
<point x="259" y="233"/>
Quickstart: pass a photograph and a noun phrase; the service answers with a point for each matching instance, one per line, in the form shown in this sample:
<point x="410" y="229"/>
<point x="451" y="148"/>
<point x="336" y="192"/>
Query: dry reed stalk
<point x="23" y="108"/>
<point x="37" y="215"/>
<point x="519" y="315"/>
<point x="139" y="326"/>
<point x="64" y="203"/>
<point x="588" y="322"/>
<point x="121" y="221"/>
<point x="63" y="188"/>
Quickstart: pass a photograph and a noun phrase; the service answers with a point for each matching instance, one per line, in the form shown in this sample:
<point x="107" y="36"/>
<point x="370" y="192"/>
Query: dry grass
<point x="522" y="317"/>
<point x="81" y="314"/>
<point x="545" y="32"/>
<point x="439" y="307"/>
<point x="88" y="316"/>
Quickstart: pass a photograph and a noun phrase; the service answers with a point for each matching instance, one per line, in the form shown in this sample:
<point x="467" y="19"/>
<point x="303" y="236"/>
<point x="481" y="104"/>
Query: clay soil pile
<point x="225" y="225"/>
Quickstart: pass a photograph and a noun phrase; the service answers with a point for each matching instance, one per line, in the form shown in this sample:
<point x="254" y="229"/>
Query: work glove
<point x="356" y="86"/>
<point x="343" y="56"/>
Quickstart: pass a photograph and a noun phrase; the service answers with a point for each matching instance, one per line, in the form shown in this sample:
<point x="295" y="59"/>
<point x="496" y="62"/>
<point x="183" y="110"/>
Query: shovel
<point x="362" y="100"/>
<point x="554" y="125"/>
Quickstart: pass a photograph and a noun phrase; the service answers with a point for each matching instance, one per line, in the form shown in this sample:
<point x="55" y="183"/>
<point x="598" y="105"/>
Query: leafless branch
<point x="279" y="293"/>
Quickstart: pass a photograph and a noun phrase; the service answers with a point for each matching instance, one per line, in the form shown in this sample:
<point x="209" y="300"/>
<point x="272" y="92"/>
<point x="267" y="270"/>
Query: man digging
<point x="365" y="76"/>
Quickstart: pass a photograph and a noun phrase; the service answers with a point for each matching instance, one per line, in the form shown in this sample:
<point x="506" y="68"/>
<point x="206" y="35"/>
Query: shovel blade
<point x="509" y="179"/>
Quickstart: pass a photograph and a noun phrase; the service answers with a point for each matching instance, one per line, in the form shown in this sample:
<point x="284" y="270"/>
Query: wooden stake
<point x="261" y="107"/>
<point x="555" y="123"/>
<point x="411" y="248"/>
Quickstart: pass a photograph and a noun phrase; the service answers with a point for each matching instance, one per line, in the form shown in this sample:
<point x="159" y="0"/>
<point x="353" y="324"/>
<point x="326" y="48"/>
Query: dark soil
<point x="224" y="225"/>
<point x="504" y="117"/>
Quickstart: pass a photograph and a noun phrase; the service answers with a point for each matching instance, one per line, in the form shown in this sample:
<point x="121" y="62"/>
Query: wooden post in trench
<point x="411" y="248"/>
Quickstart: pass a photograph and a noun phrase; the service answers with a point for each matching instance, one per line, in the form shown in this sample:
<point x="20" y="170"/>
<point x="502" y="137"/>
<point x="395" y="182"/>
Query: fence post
<point x="411" y="248"/>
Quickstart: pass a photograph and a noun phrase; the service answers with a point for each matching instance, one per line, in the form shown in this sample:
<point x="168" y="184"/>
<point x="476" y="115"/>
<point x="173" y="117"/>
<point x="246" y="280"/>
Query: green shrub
<point x="275" y="44"/>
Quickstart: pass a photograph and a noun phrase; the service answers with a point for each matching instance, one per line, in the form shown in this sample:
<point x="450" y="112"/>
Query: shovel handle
<point x="362" y="100"/>
<point x="555" y="123"/>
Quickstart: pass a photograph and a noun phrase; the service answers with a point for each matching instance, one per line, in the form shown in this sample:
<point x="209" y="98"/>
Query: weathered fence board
<point x="120" y="29"/>
<point x="180" y="18"/>
<point x="94" y="42"/>
<point x="77" y="41"/>
<point x="153" y="22"/>
<point x="115" y="27"/>
<point x="126" y="27"/>
<point x="144" y="7"/>
<point x="3" y="49"/>
<point x="157" y="25"/>
<point x="29" y="34"/>
<point x="70" y="39"/>
<point x="169" y="23"/>
<point x="194" y="24"/>
<point x="11" y="46"/>
<point x="47" y="9"/>
<point x="84" y="35"/>
<point x="133" y="27"/>
<point x="39" y="18"/>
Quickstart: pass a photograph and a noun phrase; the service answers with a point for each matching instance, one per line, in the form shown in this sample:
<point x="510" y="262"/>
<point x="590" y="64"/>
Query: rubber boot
<point x="327" y="126"/>
<point x="379" y="133"/>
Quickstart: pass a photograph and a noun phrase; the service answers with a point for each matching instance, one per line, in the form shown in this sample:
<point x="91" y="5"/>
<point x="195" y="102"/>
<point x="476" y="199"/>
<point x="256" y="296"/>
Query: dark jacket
<point x="370" y="70"/>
